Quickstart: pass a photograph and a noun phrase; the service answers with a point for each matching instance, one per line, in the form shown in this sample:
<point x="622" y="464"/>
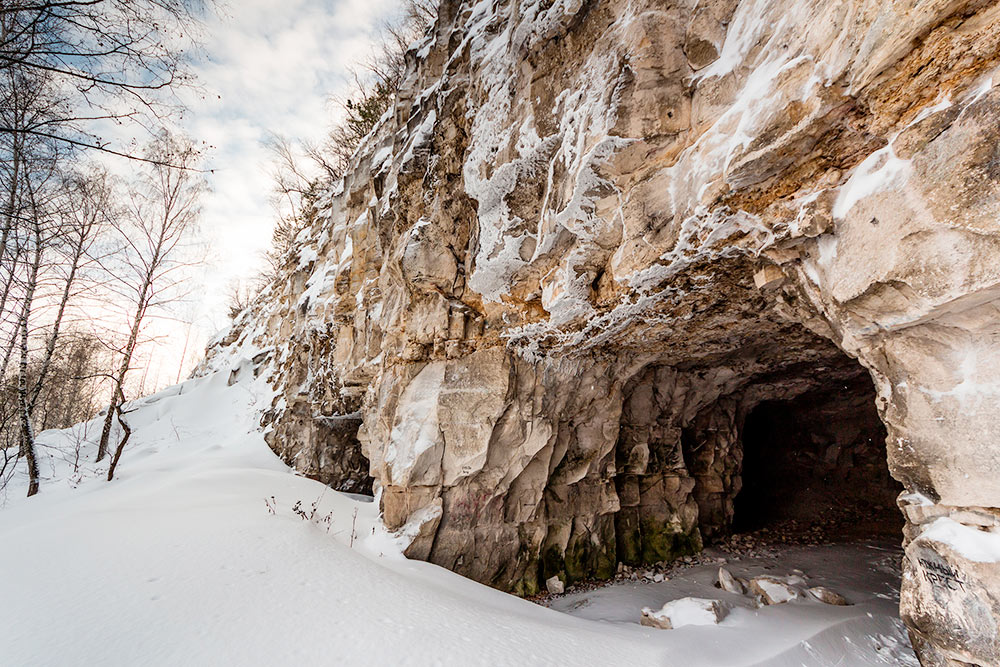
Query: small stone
<point x="729" y="583"/>
<point x="772" y="590"/>
<point x="554" y="585"/>
<point x="657" y="577"/>
<point x="824" y="594"/>
<point x="685" y="611"/>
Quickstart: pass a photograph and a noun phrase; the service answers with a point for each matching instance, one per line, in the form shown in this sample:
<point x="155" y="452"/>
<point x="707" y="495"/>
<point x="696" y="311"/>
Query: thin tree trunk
<point x="142" y="380"/>
<point x="27" y="436"/>
<point x="180" y="367"/>
<point x="121" y="443"/>
<point x="9" y="282"/>
<point x="119" y="379"/>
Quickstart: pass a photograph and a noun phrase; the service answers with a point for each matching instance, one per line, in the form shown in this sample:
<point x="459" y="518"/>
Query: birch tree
<point x="37" y="222"/>
<point x="84" y="215"/>
<point x="163" y="210"/>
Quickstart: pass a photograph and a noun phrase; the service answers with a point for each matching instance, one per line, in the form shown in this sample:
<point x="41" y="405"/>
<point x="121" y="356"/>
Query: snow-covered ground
<point x="803" y="631"/>
<point x="195" y="555"/>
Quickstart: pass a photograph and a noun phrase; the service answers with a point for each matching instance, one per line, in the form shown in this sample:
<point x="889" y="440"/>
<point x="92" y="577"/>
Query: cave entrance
<point x="796" y="453"/>
<point x="816" y="463"/>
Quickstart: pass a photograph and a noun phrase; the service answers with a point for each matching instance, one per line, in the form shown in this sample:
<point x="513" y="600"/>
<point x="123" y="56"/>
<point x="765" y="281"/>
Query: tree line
<point x="86" y="256"/>
<point x="302" y="172"/>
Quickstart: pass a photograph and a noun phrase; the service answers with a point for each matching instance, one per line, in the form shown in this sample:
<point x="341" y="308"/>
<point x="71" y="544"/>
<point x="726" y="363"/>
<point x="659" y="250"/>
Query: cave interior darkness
<point x="794" y="455"/>
<point x="818" y="458"/>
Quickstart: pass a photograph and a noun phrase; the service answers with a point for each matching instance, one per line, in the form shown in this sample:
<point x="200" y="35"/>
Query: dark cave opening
<point x="795" y="455"/>
<point x="817" y="462"/>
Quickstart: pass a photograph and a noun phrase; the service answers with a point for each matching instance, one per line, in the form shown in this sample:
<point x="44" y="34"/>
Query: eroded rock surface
<point x="591" y="237"/>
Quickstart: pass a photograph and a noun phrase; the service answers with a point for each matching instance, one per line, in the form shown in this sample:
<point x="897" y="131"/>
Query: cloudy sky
<point x="268" y="66"/>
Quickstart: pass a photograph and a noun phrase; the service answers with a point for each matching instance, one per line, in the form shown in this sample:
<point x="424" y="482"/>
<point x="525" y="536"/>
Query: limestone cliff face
<point x="592" y="236"/>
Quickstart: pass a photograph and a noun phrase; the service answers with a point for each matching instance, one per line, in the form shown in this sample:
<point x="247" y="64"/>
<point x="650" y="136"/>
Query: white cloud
<point x="268" y="66"/>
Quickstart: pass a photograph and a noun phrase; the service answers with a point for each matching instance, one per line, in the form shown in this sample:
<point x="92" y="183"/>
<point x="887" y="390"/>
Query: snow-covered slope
<point x="195" y="555"/>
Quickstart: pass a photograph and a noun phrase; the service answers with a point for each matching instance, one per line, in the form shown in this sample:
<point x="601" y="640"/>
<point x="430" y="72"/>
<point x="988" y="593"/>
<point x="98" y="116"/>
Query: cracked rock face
<point x="590" y="237"/>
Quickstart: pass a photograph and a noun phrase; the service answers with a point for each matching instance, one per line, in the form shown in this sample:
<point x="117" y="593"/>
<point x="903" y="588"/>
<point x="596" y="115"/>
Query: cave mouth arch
<point x="704" y="453"/>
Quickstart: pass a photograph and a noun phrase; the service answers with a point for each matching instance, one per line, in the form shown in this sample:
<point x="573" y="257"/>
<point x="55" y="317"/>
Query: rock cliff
<point x="591" y="237"/>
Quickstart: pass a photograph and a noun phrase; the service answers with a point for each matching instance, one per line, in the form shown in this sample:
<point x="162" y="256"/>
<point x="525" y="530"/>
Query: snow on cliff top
<point x="180" y="560"/>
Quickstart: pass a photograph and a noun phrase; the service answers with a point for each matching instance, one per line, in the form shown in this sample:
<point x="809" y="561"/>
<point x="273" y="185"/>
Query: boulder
<point x="730" y="583"/>
<point x="555" y="586"/>
<point x="685" y="611"/>
<point x="772" y="590"/>
<point x="827" y="596"/>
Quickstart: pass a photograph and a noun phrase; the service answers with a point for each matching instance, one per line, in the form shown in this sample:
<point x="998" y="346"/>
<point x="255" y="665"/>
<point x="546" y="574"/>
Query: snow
<point x="827" y="247"/>
<point x="421" y="137"/>
<point x="194" y="555"/>
<point x="800" y="632"/>
<point x="424" y="515"/>
<point x="984" y="87"/>
<point x="972" y="543"/>
<point x="973" y="386"/>
<point x="881" y="170"/>
<point x="686" y="611"/>
<point x="416" y="433"/>
<point x="914" y="498"/>
<point x="750" y="22"/>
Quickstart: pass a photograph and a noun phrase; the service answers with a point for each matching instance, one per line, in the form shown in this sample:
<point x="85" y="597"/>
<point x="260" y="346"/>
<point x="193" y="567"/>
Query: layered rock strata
<point x="590" y="237"/>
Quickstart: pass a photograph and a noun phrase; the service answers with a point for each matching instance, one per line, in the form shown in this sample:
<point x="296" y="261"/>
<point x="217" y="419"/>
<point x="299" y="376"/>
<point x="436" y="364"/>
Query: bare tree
<point x="162" y="213"/>
<point x="66" y="67"/>
<point x="25" y="98"/>
<point x="111" y="60"/>
<point x="376" y="80"/>
<point x="239" y="295"/>
<point x="40" y="236"/>
<point x="293" y="196"/>
<point x="84" y="216"/>
<point x="24" y="410"/>
<point x="29" y="234"/>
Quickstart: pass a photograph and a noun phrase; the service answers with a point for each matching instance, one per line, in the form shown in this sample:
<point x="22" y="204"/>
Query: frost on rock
<point x="589" y="239"/>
